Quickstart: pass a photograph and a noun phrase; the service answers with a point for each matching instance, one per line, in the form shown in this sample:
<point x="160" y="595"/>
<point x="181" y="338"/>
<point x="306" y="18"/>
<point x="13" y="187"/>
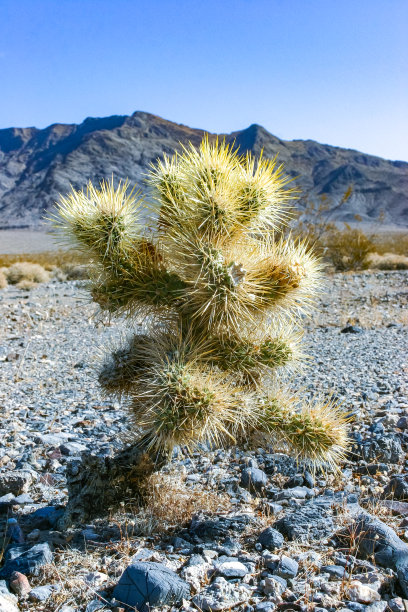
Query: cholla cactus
<point x="221" y="300"/>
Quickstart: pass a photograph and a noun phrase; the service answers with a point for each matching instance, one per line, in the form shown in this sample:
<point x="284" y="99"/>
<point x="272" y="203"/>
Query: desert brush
<point x="221" y="297"/>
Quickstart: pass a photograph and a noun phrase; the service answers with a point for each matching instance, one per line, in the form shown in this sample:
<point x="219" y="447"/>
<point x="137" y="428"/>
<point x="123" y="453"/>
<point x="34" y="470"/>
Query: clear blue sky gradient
<point x="335" y="71"/>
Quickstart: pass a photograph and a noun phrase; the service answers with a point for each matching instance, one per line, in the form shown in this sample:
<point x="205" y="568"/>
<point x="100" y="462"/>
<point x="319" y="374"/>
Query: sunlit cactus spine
<point x="221" y="299"/>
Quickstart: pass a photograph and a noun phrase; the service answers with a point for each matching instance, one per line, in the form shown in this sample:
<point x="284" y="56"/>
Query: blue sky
<point x="335" y="71"/>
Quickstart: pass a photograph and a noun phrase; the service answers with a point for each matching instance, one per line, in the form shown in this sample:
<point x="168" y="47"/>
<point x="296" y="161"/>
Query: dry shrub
<point x="26" y="285"/>
<point x="388" y="261"/>
<point x="391" y="242"/>
<point x="170" y="504"/>
<point x="348" y="249"/>
<point x="75" y="271"/>
<point x="26" y="271"/>
<point x="3" y="280"/>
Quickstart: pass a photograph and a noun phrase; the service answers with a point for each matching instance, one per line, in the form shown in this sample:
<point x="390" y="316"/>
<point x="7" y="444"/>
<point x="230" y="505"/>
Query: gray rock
<point x="221" y="528"/>
<point x="352" y="329"/>
<point x="311" y="522"/>
<point x="279" y="463"/>
<point x="271" y="539"/>
<point x="336" y="572"/>
<point x="396" y="604"/>
<point x="41" y="593"/>
<point x="45" y="518"/>
<point x="15" y="482"/>
<point x="254" y="480"/>
<point x="149" y="584"/>
<point x="386" y="448"/>
<point x="72" y="449"/>
<point x="95" y="604"/>
<point x="295" y="493"/>
<point x="377" y="606"/>
<point x="26" y="559"/>
<point x="284" y="568"/>
<point x="397" y="488"/>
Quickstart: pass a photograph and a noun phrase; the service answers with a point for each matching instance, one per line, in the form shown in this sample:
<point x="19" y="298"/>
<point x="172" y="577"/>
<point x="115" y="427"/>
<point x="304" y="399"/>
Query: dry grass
<point x="25" y="271"/>
<point x="388" y="261"/>
<point x="395" y="242"/>
<point x="171" y="504"/>
<point x="3" y="280"/>
<point x="48" y="259"/>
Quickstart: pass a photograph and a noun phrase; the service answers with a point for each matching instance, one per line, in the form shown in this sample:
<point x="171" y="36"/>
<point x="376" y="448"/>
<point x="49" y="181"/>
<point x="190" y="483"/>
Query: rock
<point x="402" y="422"/>
<point x="19" y="584"/>
<point x="273" y="587"/>
<point x="266" y="606"/>
<point x="357" y="591"/>
<point x="254" y="480"/>
<point x="397" y="488"/>
<point x="271" y="539"/>
<point x="26" y="559"/>
<point x="377" y="606"/>
<point x="221" y="528"/>
<point x="284" y="568"/>
<point x="336" y="572"/>
<point x="41" y="593"/>
<point x="311" y="522"/>
<point x="386" y="448"/>
<point x="294" y="481"/>
<point x="45" y="518"/>
<point x="14" y="531"/>
<point x="396" y="604"/>
<point x="279" y="463"/>
<point x="72" y="449"/>
<point x="351" y="329"/>
<point x="149" y="584"/>
<point x="15" y="482"/>
<point x="7" y="604"/>
<point x="195" y="571"/>
<point x="295" y="493"/>
<point x="230" y="548"/>
<point x="231" y="569"/>
<point x="95" y="604"/>
<point x="221" y="595"/>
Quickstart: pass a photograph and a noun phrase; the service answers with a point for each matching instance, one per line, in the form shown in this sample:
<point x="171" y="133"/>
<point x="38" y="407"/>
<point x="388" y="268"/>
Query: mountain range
<point x="36" y="165"/>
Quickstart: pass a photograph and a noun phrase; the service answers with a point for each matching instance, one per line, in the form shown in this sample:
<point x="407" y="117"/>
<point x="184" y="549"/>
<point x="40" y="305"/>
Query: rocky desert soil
<point x="245" y="529"/>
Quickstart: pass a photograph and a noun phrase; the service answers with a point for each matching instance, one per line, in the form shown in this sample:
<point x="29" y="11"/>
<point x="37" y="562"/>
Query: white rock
<point x="232" y="569"/>
<point x="362" y="593"/>
<point x="195" y="574"/>
<point x="7" y="603"/>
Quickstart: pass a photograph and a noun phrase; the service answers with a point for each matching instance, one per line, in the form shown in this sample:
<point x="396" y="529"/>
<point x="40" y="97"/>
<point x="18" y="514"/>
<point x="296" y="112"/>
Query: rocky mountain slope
<point x="36" y="165"/>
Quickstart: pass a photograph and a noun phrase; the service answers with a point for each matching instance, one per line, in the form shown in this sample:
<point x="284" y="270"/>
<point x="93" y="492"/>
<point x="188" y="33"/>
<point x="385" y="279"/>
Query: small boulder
<point x="15" y="482"/>
<point x="150" y="584"/>
<point x="19" y="584"/>
<point x="357" y="591"/>
<point x="254" y="480"/>
<point x="271" y="539"/>
<point x="26" y="559"/>
<point x="286" y="567"/>
<point x="231" y="569"/>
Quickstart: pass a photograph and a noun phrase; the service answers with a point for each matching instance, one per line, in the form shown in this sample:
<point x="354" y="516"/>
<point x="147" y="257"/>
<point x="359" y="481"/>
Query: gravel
<point x="51" y="342"/>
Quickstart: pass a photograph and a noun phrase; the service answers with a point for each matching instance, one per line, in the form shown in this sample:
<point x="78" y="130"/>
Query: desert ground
<point x="249" y="529"/>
